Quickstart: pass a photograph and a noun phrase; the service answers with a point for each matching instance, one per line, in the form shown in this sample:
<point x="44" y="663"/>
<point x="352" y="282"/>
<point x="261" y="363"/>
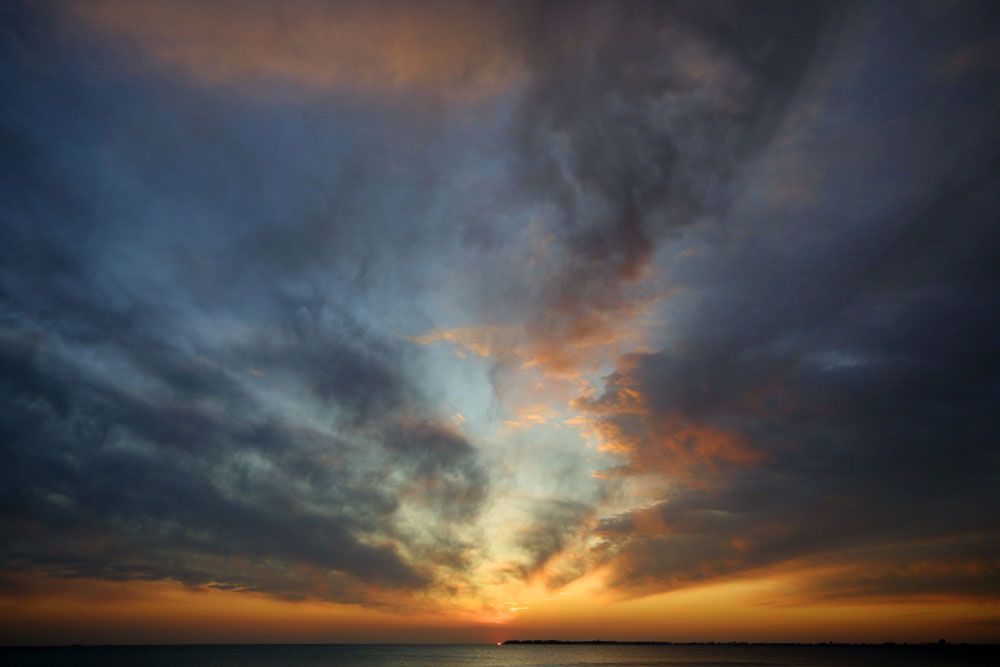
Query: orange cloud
<point x="453" y="50"/>
<point x="572" y="344"/>
<point x="622" y="422"/>
<point x="531" y="415"/>
<point x="500" y="342"/>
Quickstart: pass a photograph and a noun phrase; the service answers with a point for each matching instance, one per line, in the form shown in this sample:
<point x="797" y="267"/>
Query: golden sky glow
<point x="763" y="608"/>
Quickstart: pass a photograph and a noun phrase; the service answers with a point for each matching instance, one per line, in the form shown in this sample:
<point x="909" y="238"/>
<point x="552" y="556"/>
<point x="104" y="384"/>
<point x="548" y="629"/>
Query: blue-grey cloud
<point x="190" y="389"/>
<point x="847" y="341"/>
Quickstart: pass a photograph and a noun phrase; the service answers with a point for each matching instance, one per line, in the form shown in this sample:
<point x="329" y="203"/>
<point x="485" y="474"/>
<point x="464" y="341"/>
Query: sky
<point x="470" y="321"/>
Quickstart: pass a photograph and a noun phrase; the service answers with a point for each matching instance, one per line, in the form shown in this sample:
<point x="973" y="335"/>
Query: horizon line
<point x="528" y="642"/>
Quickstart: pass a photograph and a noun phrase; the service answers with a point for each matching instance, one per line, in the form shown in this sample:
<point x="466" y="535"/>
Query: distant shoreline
<point x="588" y="642"/>
<point x="535" y="642"/>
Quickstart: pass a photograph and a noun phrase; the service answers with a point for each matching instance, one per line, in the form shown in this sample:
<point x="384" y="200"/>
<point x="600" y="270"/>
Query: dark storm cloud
<point x="145" y="331"/>
<point x="635" y="116"/>
<point x="848" y="345"/>
<point x="101" y="482"/>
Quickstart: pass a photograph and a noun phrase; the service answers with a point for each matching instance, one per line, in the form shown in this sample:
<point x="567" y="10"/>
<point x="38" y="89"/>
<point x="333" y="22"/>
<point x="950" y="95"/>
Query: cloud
<point x="629" y="126"/>
<point x="205" y="486"/>
<point x="825" y="397"/>
<point x="634" y="120"/>
<point x="171" y="414"/>
<point x="554" y="520"/>
<point x="449" y="50"/>
<point x="655" y="439"/>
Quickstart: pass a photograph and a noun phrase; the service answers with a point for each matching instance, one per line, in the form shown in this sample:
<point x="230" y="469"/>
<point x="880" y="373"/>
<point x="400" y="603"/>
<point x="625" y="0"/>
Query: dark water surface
<point x="502" y="656"/>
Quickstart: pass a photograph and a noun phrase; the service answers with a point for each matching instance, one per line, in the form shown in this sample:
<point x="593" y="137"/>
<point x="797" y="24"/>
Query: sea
<point x="566" y="655"/>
